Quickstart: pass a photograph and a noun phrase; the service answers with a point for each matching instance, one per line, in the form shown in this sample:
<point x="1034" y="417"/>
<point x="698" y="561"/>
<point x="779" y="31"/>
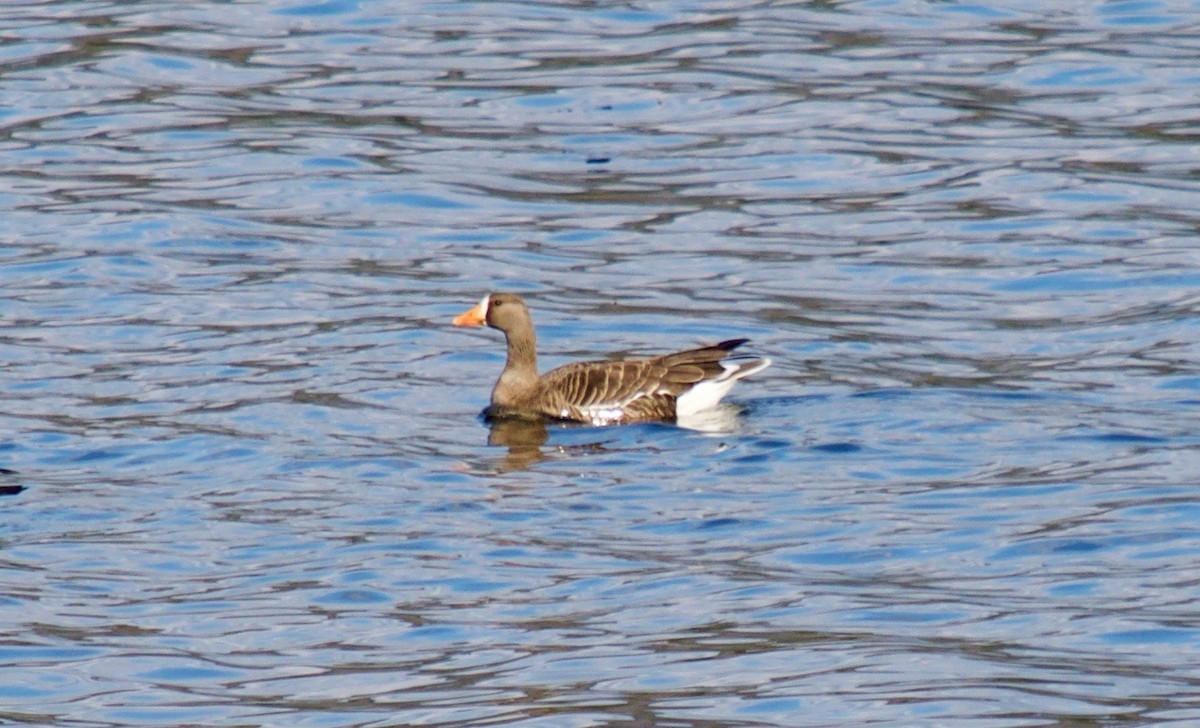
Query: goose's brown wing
<point x="631" y="390"/>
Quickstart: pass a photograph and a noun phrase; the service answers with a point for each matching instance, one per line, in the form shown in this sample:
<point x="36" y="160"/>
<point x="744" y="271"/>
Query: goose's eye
<point x="497" y="303"/>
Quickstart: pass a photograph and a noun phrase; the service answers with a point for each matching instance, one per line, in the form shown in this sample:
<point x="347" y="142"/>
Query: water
<point x="255" y="489"/>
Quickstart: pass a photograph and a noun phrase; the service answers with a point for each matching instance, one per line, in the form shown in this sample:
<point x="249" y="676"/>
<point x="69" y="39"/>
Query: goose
<point x="670" y="387"/>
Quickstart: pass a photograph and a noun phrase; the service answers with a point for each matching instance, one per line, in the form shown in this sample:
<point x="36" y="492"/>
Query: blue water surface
<point x="251" y="484"/>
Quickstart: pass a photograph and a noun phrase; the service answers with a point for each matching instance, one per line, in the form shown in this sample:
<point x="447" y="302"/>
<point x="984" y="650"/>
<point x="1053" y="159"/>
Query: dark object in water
<point x="9" y="489"/>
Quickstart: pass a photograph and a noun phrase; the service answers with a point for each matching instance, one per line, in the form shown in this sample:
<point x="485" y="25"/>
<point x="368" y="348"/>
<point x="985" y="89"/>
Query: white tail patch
<point x="707" y="394"/>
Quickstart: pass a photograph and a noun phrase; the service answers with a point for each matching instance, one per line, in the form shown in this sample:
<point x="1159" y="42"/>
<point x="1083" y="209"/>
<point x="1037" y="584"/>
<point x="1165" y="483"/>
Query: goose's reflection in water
<point x="719" y="420"/>
<point x="525" y="437"/>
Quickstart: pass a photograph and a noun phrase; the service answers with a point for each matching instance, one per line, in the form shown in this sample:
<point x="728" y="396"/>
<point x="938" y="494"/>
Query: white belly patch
<point x="604" y="415"/>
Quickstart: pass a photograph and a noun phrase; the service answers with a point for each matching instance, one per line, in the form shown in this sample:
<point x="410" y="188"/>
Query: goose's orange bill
<point x="477" y="316"/>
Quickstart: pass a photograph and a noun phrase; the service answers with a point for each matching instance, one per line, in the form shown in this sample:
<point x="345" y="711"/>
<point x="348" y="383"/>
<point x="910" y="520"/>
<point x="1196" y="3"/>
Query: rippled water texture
<point x="255" y="488"/>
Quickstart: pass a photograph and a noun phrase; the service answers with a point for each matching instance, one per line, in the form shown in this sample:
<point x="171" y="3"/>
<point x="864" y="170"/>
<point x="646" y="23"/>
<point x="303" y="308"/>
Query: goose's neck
<point x="522" y="351"/>
<point x="518" y="383"/>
